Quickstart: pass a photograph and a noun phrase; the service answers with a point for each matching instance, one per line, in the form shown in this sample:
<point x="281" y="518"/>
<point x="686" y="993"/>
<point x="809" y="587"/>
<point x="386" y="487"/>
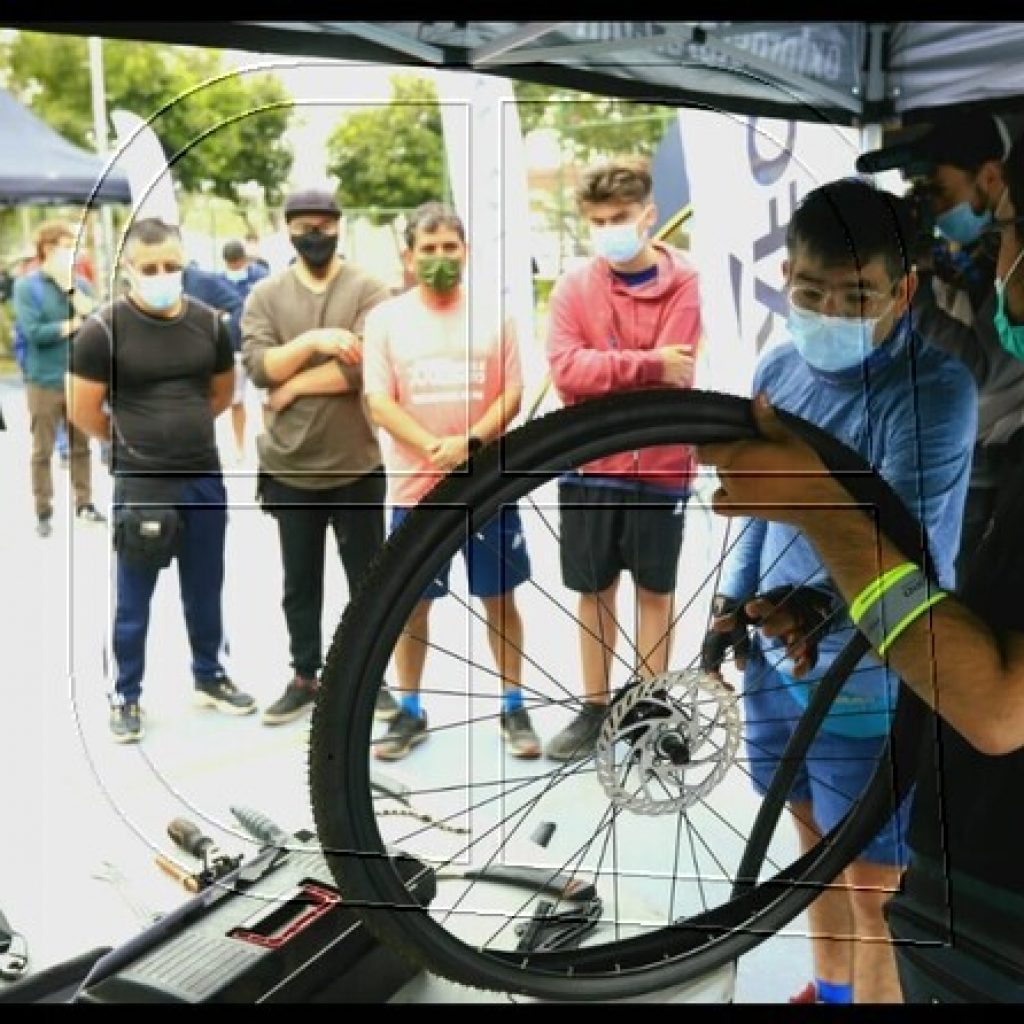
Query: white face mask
<point x="158" y="291"/>
<point x="60" y="265"/>
<point x="832" y="343"/>
<point x="618" y="243"/>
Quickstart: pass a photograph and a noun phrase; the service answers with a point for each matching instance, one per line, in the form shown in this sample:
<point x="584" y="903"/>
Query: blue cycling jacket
<point x="910" y="411"/>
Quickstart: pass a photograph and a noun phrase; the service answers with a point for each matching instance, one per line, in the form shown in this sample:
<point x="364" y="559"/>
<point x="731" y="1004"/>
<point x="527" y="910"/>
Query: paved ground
<point x="74" y="800"/>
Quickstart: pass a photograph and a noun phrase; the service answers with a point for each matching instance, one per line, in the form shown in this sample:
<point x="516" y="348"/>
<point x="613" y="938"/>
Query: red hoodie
<point x="602" y="337"/>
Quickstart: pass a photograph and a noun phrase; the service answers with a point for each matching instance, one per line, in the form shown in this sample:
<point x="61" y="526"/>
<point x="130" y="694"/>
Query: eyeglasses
<point x="848" y="302"/>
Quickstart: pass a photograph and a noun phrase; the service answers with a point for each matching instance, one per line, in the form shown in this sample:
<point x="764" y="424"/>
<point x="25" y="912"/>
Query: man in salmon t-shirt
<point x="439" y="396"/>
<point x="628" y="318"/>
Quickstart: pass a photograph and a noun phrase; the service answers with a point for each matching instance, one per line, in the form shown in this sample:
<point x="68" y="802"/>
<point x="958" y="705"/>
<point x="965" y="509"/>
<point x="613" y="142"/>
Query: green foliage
<point x="592" y="126"/>
<point x="391" y="158"/>
<point x="51" y="74"/>
<point x="7" y="364"/>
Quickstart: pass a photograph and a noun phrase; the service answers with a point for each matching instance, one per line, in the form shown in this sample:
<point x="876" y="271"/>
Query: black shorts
<point x="604" y="530"/>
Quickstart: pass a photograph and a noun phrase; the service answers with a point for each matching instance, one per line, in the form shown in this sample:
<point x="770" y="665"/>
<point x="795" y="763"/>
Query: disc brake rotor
<point x="667" y="742"/>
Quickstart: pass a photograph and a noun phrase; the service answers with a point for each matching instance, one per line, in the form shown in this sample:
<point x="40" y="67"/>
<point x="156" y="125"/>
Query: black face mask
<point x="315" y="247"/>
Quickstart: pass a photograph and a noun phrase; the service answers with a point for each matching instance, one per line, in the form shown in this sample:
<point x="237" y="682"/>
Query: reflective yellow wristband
<point x="876" y="588"/>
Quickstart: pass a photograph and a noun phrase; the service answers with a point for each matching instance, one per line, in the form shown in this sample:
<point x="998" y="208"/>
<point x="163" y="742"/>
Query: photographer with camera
<point x="958" y="164"/>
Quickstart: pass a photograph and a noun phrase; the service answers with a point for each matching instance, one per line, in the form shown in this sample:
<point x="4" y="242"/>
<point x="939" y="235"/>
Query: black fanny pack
<point x="147" y="523"/>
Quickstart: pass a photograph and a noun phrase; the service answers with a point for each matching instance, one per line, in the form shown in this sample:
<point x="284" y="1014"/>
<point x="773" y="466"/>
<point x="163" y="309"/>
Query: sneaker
<point x="43" y="526"/>
<point x="405" y="731"/>
<point x="386" y="707"/>
<point x="519" y="735"/>
<point x="223" y="695"/>
<point x="126" y="723"/>
<point x="809" y="994"/>
<point x="578" y="739"/>
<point x="295" y="701"/>
<point x="90" y="514"/>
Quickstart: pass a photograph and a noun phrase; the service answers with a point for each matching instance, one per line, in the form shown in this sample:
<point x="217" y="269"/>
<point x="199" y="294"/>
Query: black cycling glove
<point x="718" y="643"/>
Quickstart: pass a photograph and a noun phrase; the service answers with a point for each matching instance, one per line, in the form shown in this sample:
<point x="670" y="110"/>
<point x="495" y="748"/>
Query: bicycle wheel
<point x="655" y="825"/>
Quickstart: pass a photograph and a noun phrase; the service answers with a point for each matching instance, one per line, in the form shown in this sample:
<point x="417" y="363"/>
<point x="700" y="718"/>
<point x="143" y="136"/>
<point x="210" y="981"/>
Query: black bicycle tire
<point x="344" y="706"/>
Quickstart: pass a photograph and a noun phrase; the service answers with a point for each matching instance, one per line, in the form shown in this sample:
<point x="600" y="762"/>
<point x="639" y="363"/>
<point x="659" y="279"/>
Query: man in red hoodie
<point x="629" y="318"/>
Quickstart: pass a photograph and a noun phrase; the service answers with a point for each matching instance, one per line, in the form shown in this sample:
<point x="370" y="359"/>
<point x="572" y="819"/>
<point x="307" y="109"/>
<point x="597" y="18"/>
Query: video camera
<point x="918" y="199"/>
<point x="930" y="252"/>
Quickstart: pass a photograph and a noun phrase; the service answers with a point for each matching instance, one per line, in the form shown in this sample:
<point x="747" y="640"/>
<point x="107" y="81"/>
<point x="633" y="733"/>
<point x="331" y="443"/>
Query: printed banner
<point x="487" y="170"/>
<point x="746" y="176"/>
<point x="141" y="157"/>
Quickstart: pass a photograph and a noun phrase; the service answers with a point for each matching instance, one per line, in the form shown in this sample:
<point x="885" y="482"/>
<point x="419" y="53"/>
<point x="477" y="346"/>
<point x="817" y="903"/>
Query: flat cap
<point x="311" y="200"/>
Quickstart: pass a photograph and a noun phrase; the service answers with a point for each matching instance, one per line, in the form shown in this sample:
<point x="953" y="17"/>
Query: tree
<point x="391" y="158"/>
<point x="50" y="73"/>
<point x="591" y="126"/>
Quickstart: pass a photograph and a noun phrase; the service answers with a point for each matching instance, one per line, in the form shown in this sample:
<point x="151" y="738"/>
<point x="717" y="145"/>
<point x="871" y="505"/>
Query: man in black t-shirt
<point x="150" y="373"/>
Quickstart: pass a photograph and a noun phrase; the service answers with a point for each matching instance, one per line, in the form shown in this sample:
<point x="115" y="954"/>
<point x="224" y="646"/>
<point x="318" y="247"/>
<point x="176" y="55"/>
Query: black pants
<point x="355" y="512"/>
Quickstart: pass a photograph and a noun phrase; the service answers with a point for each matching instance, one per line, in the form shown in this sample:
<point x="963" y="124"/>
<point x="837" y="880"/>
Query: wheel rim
<point x="469" y="933"/>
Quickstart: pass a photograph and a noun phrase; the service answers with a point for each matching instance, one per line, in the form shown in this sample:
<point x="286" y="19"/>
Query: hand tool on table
<point x="109" y="872"/>
<point x="13" y="951"/>
<point x="190" y="838"/>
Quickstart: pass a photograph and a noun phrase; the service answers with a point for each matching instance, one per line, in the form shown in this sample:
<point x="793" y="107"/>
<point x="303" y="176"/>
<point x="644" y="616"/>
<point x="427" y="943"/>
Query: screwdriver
<point x="189" y="837"/>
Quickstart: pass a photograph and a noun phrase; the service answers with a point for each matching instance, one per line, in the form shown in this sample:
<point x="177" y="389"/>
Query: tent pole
<point x="26" y="228"/>
<point x="99" y="120"/>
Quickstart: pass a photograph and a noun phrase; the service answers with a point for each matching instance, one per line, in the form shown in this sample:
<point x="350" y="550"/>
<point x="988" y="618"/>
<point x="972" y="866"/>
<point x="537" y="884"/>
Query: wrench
<point x="108" y="872"/>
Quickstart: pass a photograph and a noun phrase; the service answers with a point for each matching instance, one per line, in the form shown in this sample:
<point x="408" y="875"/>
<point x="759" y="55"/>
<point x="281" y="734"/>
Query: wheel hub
<point x="667" y="742"/>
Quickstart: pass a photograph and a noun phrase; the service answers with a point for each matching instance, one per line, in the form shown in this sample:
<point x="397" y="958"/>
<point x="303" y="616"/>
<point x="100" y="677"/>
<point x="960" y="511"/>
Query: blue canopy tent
<point x="39" y="166"/>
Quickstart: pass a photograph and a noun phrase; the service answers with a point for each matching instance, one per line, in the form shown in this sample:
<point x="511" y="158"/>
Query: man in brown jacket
<point x="319" y="459"/>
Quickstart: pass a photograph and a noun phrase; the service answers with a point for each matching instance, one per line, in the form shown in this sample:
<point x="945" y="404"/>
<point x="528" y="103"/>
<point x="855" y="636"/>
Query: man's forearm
<point x="499" y="415"/>
<point x="282" y="362"/>
<point x="949" y="657"/>
<point x="326" y="379"/>
<point x="219" y="404"/>
<point x="95" y="424"/>
<point x="390" y="416"/>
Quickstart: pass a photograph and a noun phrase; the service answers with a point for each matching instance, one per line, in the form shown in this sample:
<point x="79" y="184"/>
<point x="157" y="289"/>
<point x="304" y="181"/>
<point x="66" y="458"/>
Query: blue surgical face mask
<point x="1011" y="336"/>
<point x="831" y="343"/>
<point x="159" y="291"/>
<point x="618" y="243"/>
<point x="962" y="224"/>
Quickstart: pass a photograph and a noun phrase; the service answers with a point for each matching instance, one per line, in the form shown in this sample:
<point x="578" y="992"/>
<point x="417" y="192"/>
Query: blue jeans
<point x="200" y="557"/>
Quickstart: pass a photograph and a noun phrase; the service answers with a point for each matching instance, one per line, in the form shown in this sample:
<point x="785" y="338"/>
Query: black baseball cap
<point x="962" y="140"/>
<point x="311" y="200"/>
